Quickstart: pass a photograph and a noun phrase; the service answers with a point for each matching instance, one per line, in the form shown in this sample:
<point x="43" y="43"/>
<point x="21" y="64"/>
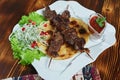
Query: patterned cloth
<point x="88" y="72"/>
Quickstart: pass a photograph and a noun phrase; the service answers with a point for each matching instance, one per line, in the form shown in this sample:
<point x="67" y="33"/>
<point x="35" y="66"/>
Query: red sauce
<point x="95" y="25"/>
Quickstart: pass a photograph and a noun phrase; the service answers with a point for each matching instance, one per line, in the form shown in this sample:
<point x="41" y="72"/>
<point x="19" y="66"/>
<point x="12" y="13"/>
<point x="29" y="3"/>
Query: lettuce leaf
<point x="32" y="16"/>
<point x="26" y="56"/>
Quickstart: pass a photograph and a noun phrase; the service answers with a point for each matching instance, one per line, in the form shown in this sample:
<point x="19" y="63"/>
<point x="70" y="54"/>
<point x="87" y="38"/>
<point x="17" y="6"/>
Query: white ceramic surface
<point x="57" y="66"/>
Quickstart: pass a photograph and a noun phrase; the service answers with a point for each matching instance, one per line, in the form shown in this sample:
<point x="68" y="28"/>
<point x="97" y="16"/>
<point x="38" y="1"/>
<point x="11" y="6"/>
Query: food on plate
<point x="58" y="36"/>
<point x="28" y="36"/>
<point x="67" y="35"/>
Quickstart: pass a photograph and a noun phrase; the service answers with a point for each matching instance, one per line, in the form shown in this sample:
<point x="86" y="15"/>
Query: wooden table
<point x="11" y="11"/>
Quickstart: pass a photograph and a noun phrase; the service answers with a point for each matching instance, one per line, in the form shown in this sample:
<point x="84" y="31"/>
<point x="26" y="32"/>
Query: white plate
<point x="57" y="66"/>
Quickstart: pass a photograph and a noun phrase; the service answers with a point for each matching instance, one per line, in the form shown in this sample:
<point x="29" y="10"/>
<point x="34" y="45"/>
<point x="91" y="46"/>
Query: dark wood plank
<point x="11" y="12"/>
<point x="109" y="66"/>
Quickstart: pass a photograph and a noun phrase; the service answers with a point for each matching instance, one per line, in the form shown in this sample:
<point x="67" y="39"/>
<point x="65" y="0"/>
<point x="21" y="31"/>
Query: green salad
<point x="24" y="40"/>
<point x="33" y="16"/>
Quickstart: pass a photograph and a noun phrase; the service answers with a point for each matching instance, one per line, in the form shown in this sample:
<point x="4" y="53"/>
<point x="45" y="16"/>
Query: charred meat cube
<point x="69" y="36"/>
<point x="54" y="45"/>
<point x="79" y="43"/>
<point x="59" y="23"/>
<point x="49" y="14"/>
<point x="66" y="14"/>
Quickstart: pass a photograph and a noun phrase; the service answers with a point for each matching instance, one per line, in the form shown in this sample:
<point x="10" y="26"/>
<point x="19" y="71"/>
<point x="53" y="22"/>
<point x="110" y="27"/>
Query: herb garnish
<point x="100" y="21"/>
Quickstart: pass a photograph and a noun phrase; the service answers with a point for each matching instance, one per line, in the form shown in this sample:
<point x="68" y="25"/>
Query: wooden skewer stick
<point x="89" y="56"/>
<point x="49" y="62"/>
<point x="73" y="60"/>
<point x="87" y="51"/>
<point x="67" y="7"/>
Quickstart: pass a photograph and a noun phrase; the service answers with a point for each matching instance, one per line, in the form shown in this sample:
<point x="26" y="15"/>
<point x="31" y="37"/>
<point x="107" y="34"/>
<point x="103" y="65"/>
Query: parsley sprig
<point x="100" y="21"/>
